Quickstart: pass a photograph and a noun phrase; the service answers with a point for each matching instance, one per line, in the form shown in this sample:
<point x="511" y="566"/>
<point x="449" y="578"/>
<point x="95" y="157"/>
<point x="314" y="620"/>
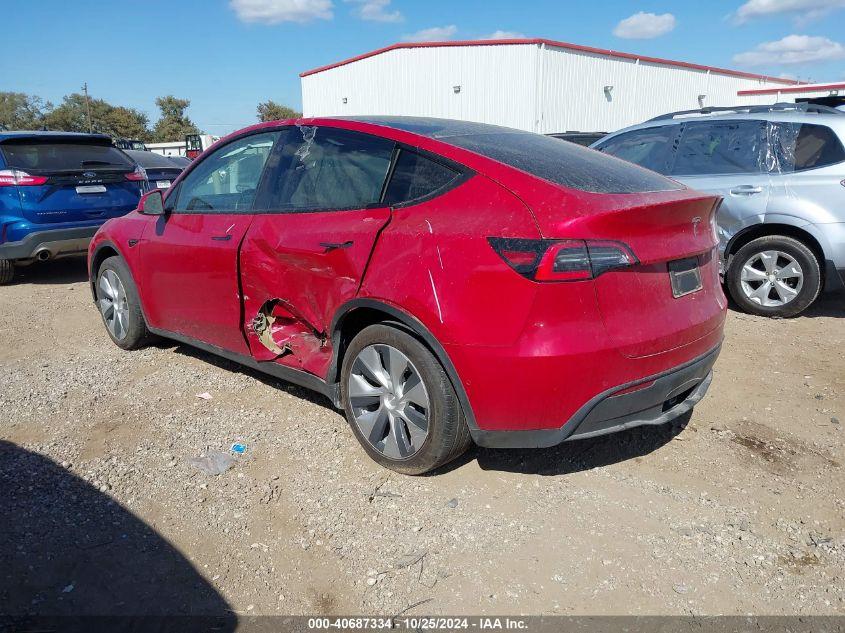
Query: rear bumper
<point x="665" y="397"/>
<point x="58" y="242"/>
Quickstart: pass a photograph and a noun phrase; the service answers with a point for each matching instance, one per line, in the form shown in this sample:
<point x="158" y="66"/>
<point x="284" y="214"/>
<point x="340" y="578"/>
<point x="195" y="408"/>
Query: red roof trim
<point x="803" y="88"/>
<point x="566" y="45"/>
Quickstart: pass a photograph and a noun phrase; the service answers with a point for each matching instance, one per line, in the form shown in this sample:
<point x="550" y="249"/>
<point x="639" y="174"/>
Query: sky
<point x="226" y="56"/>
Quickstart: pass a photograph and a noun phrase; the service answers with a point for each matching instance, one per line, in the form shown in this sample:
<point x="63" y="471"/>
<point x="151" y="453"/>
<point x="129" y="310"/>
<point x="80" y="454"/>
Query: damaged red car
<point x="442" y="282"/>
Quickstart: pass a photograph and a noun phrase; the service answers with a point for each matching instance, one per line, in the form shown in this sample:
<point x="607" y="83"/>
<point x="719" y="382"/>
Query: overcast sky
<point x="228" y="55"/>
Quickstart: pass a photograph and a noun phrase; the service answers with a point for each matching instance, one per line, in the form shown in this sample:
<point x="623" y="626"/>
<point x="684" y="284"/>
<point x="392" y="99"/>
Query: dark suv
<point x="56" y="189"/>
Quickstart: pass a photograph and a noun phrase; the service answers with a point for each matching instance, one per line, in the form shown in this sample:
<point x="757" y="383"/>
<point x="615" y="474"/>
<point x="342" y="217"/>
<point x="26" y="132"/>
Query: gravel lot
<point x="740" y="512"/>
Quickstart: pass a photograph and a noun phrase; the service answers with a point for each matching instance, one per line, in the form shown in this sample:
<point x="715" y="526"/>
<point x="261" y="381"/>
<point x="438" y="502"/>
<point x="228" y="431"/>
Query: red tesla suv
<point x="443" y="282"/>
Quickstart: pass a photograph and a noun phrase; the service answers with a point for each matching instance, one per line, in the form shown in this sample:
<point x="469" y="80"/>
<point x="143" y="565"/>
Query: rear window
<point x="650" y="147"/>
<point x="725" y="147"/>
<point x="565" y="164"/>
<point x="800" y="146"/>
<point x="50" y="157"/>
<point x="151" y="160"/>
<point x="415" y="177"/>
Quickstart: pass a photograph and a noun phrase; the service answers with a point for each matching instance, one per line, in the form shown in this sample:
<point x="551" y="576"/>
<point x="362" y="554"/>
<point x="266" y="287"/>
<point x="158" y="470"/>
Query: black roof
<point x="45" y="136"/>
<point x="435" y="128"/>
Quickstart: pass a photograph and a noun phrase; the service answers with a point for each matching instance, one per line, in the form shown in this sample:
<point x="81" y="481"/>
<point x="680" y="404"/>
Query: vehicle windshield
<point x="41" y="157"/>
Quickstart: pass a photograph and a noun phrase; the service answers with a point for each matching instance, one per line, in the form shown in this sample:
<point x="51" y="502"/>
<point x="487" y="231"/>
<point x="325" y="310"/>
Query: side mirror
<point x="151" y="203"/>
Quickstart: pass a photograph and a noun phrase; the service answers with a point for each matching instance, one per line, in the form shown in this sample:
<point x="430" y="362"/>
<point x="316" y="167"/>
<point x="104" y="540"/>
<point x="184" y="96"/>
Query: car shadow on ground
<point x="69" y="551"/>
<point x="566" y="458"/>
<point x="829" y="304"/>
<point x="577" y="455"/>
<point x="66" y="270"/>
<point x="228" y="365"/>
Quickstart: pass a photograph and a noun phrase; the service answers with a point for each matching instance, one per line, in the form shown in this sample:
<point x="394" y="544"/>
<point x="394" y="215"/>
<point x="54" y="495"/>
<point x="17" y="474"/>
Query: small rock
<point x="680" y="588"/>
<point x="452" y="503"/>
<point x="371" y="581"/>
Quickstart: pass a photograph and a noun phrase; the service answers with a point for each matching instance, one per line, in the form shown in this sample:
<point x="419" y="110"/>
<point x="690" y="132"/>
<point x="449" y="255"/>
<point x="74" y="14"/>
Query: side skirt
<point x="288" y="374"/>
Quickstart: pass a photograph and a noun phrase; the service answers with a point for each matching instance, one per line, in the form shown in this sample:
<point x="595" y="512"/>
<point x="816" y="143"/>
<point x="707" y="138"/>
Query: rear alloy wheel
<point x="7" y="271"/>
<point x="117" y="300"/>
<point x="400" y="402"/>
<point x="774" y="276"/>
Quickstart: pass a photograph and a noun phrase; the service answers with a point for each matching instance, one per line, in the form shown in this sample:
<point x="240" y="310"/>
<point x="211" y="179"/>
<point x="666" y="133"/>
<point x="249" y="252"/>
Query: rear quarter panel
<point x="434" y="262"/>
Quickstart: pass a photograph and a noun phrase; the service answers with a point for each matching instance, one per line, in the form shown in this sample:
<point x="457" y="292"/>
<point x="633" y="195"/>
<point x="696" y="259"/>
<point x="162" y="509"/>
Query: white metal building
<point x="532" y="84"/>
<point x="831" y="95"/>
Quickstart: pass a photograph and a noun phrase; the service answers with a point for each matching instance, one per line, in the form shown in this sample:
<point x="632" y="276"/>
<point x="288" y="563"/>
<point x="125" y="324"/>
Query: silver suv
<point x="781" y="172"/>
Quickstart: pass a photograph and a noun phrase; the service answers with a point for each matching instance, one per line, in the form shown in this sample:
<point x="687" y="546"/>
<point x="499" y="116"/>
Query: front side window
<point x="228" y="179"/>
<point x="415" y="177"/>
<point x="324" y="168"/>
<point x="650" y="148"/>
<point x="720" y="147"/>
<point x="800" y="146"/>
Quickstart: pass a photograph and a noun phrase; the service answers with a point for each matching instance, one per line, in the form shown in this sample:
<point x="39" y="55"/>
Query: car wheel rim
<point x="113" y="304"/>
<point x="771" y="278"/>
<point x="389" y="401"/>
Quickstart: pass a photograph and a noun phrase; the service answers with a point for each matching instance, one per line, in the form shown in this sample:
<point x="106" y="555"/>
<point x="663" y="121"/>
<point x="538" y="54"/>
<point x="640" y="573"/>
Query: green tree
<point x="272" y="111"/>
<point x="116" y="121"/>
<point x="173" y="124"/>
<point x="19" y="111"/>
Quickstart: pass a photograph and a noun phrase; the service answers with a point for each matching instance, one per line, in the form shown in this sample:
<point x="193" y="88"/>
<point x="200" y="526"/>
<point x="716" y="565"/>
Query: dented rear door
<point x="307" y="249"/>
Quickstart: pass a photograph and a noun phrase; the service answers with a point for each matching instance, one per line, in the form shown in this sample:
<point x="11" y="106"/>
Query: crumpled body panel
<point x="296" y="270"/>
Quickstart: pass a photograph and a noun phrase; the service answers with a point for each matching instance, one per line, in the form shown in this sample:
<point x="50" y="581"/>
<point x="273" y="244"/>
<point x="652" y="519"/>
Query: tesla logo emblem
<point x="695" y="222"/>
<point x="89" y="174"/>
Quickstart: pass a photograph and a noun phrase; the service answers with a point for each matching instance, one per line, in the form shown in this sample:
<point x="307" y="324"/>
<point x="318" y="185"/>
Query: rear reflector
<point x="18" y="178"/>
<point x="562" y="260"/>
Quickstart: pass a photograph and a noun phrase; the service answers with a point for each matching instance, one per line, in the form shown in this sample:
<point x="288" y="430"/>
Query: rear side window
<point x="227" y="180"/>
<point x="720" y="147"/>
<point x="800" y="146"/>
<point x="415" y="177"/>
<point x="650" y="148"/>
<point x="565" y="164"/>
<point x="329" y="168"/>
<point x="54" y="157"/>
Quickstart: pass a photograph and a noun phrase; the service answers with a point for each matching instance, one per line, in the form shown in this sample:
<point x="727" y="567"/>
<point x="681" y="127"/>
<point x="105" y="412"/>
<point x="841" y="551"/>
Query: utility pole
<point x="88" y="107"/>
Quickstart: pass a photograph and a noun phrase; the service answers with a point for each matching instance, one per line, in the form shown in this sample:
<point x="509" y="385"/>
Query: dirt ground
<point x="741" y="512"/>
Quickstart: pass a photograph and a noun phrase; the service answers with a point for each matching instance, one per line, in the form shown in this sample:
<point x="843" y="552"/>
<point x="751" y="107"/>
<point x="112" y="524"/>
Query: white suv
<point x="781" y="172"/>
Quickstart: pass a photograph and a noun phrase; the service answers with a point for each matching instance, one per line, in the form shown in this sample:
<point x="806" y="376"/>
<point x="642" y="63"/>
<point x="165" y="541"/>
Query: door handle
<point x="746" y="190"/>
<point x="221" y="238"/>
<point x="331" y="246"/>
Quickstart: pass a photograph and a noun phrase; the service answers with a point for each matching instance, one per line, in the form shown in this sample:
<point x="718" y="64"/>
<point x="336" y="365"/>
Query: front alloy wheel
<point x="113" y="305"/>
<point x="118" y="303"/>
<point x="772" y="278"/>
<point x="775" y="276"/>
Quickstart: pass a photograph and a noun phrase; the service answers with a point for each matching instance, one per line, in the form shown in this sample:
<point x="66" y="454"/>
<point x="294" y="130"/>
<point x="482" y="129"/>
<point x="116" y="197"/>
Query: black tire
<point x="448" y="435"/>
<point x="806" y="259"/>
<point x="137" y="335"/>
<point x="7" y="271"/>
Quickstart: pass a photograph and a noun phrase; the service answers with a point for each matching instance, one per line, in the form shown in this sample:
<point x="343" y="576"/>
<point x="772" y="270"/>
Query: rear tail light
<point x="138" y="175"/>
<point x="562" y="260"/>
<point x="18" y="178"/>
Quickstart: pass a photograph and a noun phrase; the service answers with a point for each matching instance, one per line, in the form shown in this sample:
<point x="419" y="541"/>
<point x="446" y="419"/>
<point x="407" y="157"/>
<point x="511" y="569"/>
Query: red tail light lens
<point x="562" y="260"/>
<point x="18" y="178"/>
<point x="138" y="175"/>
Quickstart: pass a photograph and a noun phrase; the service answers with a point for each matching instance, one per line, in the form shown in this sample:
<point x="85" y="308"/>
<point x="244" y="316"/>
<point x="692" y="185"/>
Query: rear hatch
<point x="582" y="194"/>
<point x="72" y="179"/>
<point x="672" y="295"/>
